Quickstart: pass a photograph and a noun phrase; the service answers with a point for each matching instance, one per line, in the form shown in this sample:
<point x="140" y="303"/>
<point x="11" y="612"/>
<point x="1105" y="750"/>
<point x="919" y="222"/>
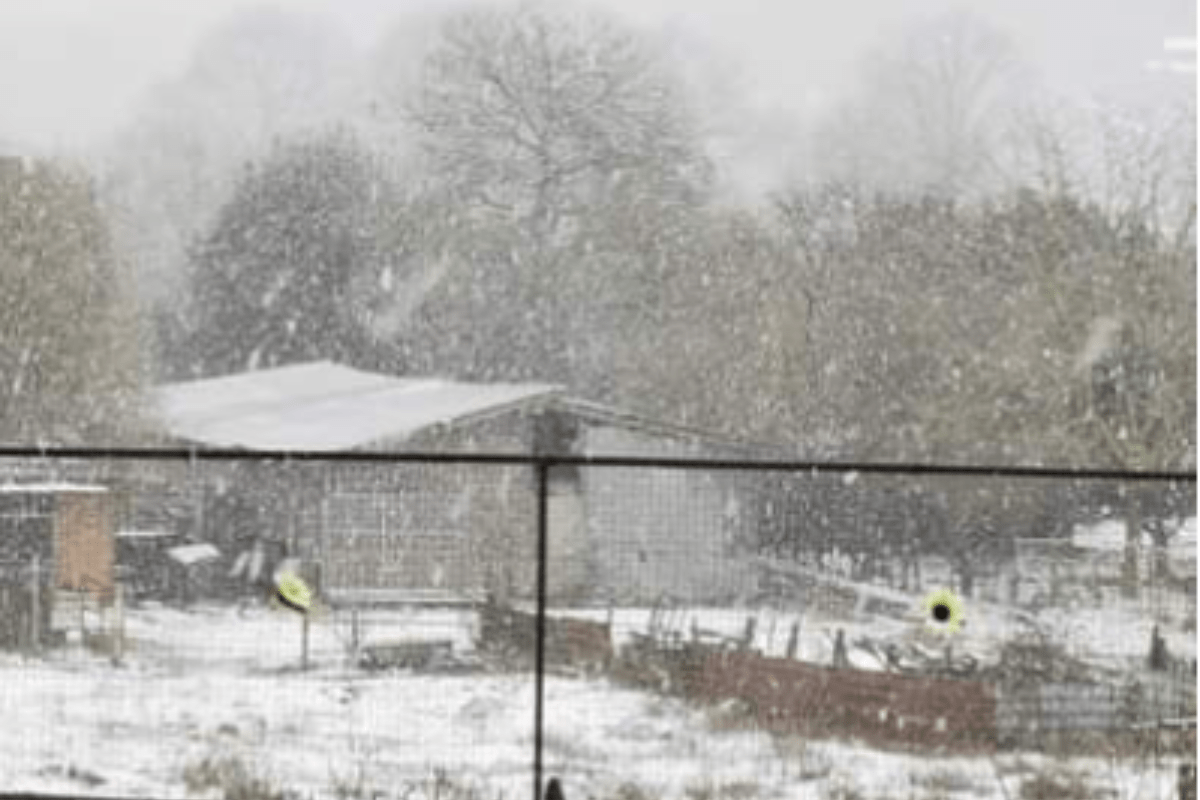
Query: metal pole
<point x="120" y="638"/>
<point x="543" y="467"/>
<point x="304" y="640"/>
<point x="34" y="604"/>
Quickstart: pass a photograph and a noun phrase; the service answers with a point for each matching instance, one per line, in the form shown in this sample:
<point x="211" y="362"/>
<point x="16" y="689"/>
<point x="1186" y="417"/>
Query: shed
<point x="68" y="525"/>
<point x="59" y="537"/>
<point x="438" y="530"/>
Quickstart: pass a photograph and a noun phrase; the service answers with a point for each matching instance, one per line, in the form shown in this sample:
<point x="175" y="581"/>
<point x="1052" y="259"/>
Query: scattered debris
<point x="72" y="773"/>
<point x="508" y="638"/>
<point x="418" y="655"/>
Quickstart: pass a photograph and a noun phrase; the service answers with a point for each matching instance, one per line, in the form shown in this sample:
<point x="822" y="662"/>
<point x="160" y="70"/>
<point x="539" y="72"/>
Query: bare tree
<point x="1122" y="323"/>
<point x="929" y="109"/>
<point x="536" y="114"/>
<point x="543" y="129"/>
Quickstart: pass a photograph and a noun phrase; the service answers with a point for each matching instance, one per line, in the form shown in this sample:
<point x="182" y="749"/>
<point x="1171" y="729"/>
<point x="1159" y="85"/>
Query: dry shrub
<point x="631" y="791"/>
<point x="441" y="784"/>
<point x="944" y="781"/>
<point x="842" y="789"/>
<point x="735" y="790"/>
<point x="1057" y="784"/>
<point x="233" y="778"/>
<point x="800" y="760"/>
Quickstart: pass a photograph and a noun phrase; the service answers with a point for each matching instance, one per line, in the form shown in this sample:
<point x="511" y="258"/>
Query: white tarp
<point x="190" y="554"/>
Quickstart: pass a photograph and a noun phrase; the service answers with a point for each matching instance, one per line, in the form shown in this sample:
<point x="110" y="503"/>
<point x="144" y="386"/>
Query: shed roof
<point x="324" y="406"/>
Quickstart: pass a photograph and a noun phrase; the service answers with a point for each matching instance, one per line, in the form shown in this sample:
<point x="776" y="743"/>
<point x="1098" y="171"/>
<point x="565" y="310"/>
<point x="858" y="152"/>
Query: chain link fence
<point x="634" y="627"/>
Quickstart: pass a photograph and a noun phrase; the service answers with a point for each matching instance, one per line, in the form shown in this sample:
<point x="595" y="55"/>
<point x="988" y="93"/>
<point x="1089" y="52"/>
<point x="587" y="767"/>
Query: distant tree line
<point x="957" y="278"/>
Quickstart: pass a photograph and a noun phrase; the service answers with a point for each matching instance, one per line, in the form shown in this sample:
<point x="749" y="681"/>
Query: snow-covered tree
<point x="284" y="273"/>
<point x="70" y="364"/>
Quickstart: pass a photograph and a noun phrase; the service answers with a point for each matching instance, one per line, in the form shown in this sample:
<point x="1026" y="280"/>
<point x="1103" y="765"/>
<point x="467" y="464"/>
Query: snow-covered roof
<point x="325" y="406"/>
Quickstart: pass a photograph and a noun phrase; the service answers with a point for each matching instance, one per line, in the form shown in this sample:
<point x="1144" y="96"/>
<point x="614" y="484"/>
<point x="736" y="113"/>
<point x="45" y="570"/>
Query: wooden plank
<point x="84" y="544"/>
<point x="383" y="598"/>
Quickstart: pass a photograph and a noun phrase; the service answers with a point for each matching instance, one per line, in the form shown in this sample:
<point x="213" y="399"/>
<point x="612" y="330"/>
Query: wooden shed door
<point x="84" y="544"/>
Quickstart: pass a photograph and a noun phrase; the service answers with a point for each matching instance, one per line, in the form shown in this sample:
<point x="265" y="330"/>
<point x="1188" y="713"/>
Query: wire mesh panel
<point x="779" y="631"/>
<point x="192" y="678"/>
<point x="635" y="628"/>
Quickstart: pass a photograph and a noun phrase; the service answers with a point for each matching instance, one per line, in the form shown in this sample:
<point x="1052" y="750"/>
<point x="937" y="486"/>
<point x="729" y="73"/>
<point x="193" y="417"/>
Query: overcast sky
<point x="71" y="70"/>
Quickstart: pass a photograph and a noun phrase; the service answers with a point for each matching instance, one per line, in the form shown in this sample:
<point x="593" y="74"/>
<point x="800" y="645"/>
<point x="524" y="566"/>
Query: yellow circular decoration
<point x="944" y="611"/>
<point x="293" y="592"/>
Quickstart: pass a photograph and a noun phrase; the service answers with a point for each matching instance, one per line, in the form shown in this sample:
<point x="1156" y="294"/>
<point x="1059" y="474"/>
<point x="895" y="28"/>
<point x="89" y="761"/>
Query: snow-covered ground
<point x="210" y="684"/>
<point x="1114" y="635"/>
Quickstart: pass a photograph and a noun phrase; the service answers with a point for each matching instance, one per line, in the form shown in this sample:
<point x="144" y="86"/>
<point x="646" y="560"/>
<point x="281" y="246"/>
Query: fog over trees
<point x="952" y="265"/>
<point x="70" y="354"/>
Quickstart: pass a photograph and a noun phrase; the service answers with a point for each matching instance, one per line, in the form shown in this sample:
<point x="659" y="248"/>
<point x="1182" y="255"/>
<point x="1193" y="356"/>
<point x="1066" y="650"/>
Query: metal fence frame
<point x="542" y="463"/>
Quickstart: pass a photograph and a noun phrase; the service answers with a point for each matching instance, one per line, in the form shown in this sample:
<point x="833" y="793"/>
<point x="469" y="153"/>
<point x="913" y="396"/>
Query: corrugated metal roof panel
<point x="325" y="406"/>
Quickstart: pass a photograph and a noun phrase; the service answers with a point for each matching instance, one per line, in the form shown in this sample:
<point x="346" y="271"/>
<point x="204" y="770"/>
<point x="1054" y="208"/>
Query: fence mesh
<point x="736" y="631"/>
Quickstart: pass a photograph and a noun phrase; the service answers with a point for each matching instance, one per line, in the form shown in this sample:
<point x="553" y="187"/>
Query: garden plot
<point x="212" y="687"/>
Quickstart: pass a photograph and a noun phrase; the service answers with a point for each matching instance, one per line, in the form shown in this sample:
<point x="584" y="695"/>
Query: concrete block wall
<point x="661" y="532"/>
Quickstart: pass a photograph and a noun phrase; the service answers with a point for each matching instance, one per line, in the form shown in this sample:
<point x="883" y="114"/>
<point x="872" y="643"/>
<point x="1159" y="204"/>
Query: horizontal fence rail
<point x="816" y="467"/>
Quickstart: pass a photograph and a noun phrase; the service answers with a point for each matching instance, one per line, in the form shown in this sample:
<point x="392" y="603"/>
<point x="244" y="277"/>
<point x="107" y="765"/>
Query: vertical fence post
<point x="35" y="590"/>
<point x="119" y="644"/>
<point x="542" y="470"/>
<point x="793" y="640"/>
<point x="304" y="640"/>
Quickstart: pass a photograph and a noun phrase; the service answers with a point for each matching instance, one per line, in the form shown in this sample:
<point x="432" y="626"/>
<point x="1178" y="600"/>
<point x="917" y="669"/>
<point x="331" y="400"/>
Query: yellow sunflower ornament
<point x="292" y="592"/>
<point x="943" y="612"/>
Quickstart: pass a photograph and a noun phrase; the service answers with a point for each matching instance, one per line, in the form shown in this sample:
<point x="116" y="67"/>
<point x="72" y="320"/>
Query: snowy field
<point x="212" y="687"/>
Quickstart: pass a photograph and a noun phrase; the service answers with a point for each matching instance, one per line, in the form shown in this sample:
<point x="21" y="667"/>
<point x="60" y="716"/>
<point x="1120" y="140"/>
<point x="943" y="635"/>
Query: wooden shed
<point x="447" y="531"/>
<point x="59" y="538"/>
